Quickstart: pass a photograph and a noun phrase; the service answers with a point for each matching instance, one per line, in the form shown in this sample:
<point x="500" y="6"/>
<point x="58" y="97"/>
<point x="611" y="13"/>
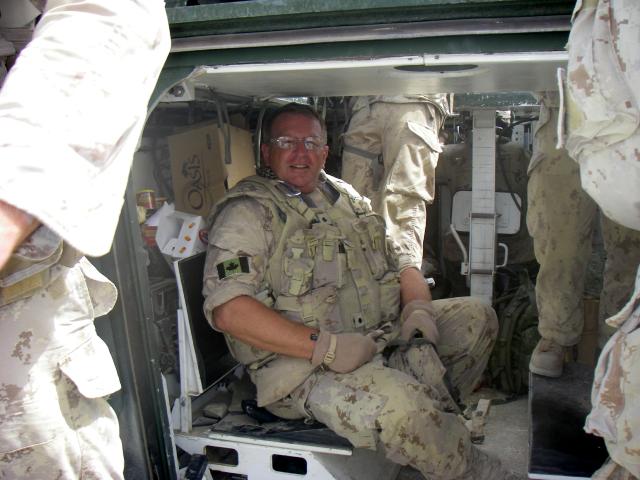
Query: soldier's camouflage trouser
<point x="561" y="218"/>
<point x="394" y="406"/>
<point x="398" y="176"/>
<point x="54" y="421"/>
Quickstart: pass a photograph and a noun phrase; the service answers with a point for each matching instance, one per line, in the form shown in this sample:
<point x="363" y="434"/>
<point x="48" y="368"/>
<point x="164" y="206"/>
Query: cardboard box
<point x="198" y="170"/>
<point x="242" y="155"/>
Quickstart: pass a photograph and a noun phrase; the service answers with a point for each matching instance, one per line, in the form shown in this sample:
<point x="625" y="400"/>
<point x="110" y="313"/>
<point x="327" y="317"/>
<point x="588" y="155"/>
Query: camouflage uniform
<point x="390" y="155"/>
<point x="561" y="220"/>
<point x="55" y="422"/>
<point x="615" y="397"/>
<point x="604" y="138"/>
<point x="66" y="144"/>
<point x="603" y="105"/>
<point x="397" y="404"/>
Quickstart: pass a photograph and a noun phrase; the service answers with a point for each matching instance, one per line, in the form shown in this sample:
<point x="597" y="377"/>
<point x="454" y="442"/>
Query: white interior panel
<point x="508" y="215"/>
<point x="476" y="73"/>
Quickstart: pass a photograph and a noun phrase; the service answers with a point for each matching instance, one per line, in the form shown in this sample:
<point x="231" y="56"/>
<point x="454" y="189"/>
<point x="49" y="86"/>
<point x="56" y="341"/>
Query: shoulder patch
<point x="232" y="267"/>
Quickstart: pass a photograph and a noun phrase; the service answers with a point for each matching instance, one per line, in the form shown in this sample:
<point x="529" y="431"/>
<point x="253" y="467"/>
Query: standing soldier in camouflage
<point x="390" y="155"/>
<point x="603" y="79"/>
<point x="561" y="220"/>
<point x="71" y="110"/>
<point x="303" y="281"/>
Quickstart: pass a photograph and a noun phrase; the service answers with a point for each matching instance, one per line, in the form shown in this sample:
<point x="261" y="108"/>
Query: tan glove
<point x="343" y="352"/>
<point x="419" y="316"/>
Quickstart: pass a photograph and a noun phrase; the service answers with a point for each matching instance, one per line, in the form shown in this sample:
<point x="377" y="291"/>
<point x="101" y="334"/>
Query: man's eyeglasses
<point x="289" y="143"/>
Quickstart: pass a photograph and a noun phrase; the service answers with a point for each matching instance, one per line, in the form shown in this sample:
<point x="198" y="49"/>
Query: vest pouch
<point x="317" y="309"/>
<point x="324" y="243"/>
<point x="372" y="244"/>
<point x="91" y="368"/>
<point x="297" y="266"/>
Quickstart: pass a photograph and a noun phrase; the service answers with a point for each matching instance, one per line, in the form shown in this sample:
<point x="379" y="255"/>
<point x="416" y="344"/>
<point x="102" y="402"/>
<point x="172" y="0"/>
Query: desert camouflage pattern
<point x="610" y="470"/>
<point x="561" y="219"/>
<point x="84" y="119"/>
<point x="55" y="373"/>
<point x="455" y="172"/>
<point x="603" y="74"/>
<point x="88" y="123"/>
<point x="615" y="397"/>
<point x="390" y="155"/>
<point x="396" y="403"/>
<point x="331" y="268"/>
<point x="603" y="137"/>
<point x="244" y="227"/>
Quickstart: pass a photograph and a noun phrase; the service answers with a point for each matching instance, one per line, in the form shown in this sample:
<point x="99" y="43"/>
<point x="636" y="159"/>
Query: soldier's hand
<point x="419" y="316"/>
<point x="15" y="226"/>
<point x="343" y="352"/>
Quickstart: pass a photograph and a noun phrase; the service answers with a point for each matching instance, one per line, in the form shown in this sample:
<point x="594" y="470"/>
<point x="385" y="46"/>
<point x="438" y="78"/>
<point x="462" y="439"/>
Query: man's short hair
<point x="295" y="109"/>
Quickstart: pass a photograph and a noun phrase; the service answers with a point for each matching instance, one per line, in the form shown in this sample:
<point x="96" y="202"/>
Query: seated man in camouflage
<point x="306" y="287"/>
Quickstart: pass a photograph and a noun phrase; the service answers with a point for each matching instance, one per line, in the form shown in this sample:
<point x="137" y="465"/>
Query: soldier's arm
<point x="413" y="286"/>
<point x="15" y="226"/>
<point x="250" y="321"/>
<point x="80" y="126"/>
<point x="240" y="242"/>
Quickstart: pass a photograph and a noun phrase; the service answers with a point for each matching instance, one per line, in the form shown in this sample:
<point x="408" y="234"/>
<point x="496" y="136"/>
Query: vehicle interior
<point x="183" y="393"/>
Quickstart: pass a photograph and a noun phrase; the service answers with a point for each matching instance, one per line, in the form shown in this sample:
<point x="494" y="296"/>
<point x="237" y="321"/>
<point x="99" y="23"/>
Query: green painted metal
<point x="265" y="15"/>
<point x="550" y="41"/>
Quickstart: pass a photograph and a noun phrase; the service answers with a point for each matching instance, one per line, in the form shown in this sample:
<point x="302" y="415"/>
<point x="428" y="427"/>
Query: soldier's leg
<point x="49" y="429"/>
<point x="376" y="406"/>
<point x="468" y="330"/>
<point x="410" y="151"/>
<point x="95" y="426"/>
<point x="358" y="168"/>
<point x="622" y="246"/>
<point x="560" y="220"/>
<point x="85" y="442"/>
<point x="382" y="408"/>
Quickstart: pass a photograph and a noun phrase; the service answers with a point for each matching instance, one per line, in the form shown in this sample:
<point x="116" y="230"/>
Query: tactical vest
<point x="333" y="270"/>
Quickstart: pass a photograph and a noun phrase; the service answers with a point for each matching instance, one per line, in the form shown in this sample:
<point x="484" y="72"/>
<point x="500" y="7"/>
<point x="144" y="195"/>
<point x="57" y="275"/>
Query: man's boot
<point x="547" y="358"/>
<point x="485" y="467"/>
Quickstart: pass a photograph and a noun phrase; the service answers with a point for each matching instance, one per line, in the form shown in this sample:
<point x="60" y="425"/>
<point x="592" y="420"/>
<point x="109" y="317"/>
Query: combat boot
<point x="547" y="358"/>
<point x="486" y="467"/>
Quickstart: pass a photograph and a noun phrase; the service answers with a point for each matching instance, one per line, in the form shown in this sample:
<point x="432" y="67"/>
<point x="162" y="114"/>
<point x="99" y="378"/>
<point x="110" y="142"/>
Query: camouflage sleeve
<point x="71" y="118"/>
<point x="405" y="261"/>
<point x="399" y="260"/>
<point x="240" y="243"/>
